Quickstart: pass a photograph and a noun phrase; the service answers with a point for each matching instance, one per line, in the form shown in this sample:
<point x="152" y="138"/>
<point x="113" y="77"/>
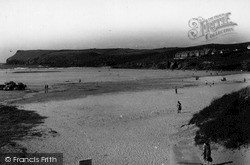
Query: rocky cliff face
<point x="213" y="56"/>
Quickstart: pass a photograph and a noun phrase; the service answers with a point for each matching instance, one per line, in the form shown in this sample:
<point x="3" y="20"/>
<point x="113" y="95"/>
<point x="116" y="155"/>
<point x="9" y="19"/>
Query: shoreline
<point x="73" y="90"/>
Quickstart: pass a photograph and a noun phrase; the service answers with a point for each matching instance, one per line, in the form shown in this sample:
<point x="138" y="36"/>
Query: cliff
<point x="212" y="56"/>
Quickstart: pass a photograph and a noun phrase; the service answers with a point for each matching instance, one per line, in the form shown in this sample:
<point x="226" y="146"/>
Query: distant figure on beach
<point x="46" y="88"/>
<point x="80" y="80"/>
<point x="224" y="79"/>
<point x="213" y="82"/>
<point x="176" y="90"/>
<point x="244" y="80"/>
<point x="179" y="107"/>
<point x="207" y="153"/>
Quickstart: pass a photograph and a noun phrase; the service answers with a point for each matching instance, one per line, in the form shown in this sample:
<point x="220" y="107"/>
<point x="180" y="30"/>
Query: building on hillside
<point x="193" y="53"/>
<point x="181" y="55"/>
<point x="206" y="51"/>
<point x="202" y="52"/>
<point x="197" y="53"/>
<point x="177" y="55"/>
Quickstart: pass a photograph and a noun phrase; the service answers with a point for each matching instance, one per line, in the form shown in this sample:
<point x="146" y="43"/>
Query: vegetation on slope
<point x="16" y="124"/>
<point x="226" y="121"/>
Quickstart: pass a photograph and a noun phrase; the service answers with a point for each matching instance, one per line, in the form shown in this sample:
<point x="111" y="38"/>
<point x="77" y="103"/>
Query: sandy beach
<point x="127" y="119"/>
<point x="124" y="82"/>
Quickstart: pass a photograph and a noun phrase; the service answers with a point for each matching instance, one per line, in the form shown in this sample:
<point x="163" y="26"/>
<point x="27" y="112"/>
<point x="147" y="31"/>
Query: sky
<point x="141" y="24"/>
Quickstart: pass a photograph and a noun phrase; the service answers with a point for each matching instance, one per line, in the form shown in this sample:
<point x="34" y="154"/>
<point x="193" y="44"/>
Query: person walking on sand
<point x="207" y="153"/>
<point x="176" y="90"/>
<point x="179" y="107"/>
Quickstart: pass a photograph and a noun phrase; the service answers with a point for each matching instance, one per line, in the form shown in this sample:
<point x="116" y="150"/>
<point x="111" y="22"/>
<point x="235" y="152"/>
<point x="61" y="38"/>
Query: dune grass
<point x="15" y="124"/>
<point x="225" y="121"/>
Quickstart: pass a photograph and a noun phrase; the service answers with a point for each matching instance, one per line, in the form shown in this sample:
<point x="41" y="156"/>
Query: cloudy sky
<point x="80" y="24"/>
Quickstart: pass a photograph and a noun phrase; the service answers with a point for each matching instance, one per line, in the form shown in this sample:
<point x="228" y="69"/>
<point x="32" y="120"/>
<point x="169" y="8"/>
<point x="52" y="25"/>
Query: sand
<point x="129" y="126"/>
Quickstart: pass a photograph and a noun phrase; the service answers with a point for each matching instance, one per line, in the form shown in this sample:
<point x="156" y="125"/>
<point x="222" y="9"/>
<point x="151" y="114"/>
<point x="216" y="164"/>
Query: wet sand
<point x="135" y="124"/>
<point x="64" y="83"/>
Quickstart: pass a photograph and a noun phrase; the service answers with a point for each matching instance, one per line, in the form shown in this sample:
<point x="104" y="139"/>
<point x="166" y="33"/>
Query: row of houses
<point x="193" y="53"/>
<point x="206" y="51"/>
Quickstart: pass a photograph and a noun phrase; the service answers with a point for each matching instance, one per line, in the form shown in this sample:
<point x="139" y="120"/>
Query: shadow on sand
<point x="15" y="124"/>
<point x="224" y="163"/>
<point x="186" y="112"/>
<point x="190" y="163"/>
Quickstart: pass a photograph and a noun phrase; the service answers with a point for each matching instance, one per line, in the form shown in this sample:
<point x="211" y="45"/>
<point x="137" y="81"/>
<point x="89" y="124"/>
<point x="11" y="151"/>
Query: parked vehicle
<point x="12" y="86"/>
<point x="9" y="85"/>
<point x="2" y="86"/>
<point x="20" y="86"/>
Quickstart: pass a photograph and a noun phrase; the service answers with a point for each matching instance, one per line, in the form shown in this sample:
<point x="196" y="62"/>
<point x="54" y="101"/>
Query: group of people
<point x="209" y="84"/>
<point x="46" y="88"/>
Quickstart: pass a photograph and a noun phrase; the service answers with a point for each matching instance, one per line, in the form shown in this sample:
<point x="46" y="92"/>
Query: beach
<point x="122" y="116"/>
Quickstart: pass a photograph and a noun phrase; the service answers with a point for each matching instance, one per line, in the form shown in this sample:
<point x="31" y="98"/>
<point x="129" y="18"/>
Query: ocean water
<point x="61" y="75"/>
<point x="41" y="76"/>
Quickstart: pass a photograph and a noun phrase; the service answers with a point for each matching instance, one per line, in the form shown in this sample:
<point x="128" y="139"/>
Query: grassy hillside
<point x="226" y="120"/>
<point x="139" y="58"/>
